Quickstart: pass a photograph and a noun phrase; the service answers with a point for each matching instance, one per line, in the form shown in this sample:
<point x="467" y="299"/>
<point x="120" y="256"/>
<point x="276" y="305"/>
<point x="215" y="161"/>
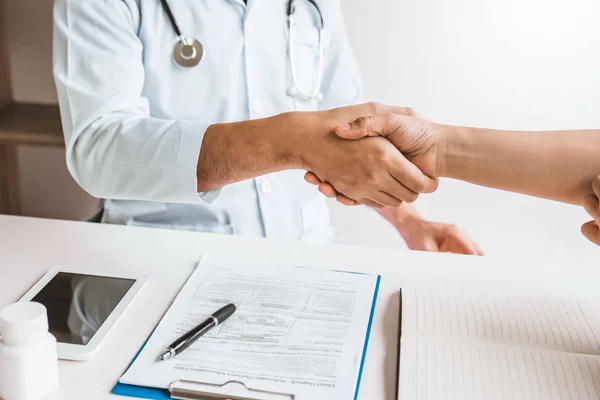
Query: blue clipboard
<point x="143" y="392"/>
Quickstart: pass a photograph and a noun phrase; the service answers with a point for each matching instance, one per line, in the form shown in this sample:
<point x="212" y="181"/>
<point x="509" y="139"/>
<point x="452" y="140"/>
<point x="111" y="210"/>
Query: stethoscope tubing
<point x="185" y="61"/>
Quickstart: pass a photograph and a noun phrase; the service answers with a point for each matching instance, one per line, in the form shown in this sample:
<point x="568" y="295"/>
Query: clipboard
<point x="192" y="390"/>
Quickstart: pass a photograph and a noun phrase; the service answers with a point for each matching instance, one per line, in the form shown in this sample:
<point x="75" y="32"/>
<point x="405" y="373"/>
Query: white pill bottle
<point x="28" y="358"/>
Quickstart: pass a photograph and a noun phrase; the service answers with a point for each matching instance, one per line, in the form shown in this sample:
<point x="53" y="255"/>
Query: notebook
<point x="477" y="345"/>
<point x="297" y="333"/>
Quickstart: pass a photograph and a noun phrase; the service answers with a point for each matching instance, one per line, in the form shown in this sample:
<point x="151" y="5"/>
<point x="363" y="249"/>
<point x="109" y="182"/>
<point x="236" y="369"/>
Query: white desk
<point x="29" y="247"/>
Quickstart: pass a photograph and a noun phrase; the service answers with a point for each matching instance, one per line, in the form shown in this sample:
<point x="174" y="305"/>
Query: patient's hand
<point x="590" y="203"/>
<point x="369" y="169"/>
<point x="415" y="137"/>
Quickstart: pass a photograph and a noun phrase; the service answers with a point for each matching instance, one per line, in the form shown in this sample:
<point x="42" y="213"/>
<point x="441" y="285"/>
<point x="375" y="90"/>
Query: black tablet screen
<point x="79" y="304"/>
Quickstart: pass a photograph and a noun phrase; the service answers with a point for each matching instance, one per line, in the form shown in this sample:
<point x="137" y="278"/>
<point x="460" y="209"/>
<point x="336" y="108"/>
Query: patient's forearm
<point x="557" y="165"/>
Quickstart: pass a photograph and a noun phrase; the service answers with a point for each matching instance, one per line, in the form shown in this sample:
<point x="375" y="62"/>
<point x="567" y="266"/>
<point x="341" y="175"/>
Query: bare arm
<point x="557" y="165"/>
<point x="236" y="151"/>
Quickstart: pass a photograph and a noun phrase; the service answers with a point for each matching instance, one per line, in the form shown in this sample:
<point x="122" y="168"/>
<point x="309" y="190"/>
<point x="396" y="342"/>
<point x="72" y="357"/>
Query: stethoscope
<point x="188" y="52"/>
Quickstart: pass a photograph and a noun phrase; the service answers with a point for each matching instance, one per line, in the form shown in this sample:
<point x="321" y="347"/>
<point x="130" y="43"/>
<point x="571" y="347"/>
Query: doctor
<point x="186" y="114"/>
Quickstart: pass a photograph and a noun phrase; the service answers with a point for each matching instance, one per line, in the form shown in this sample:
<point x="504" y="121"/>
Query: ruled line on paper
<point x="587" y="323"/>
<point x="551" y="313"/>
<point x="596" y="383"/>
<point x="546" y="383"/>
<point x="583" y="377"/>
<point x="539" y="312"/>
<point x="572" y="324"/>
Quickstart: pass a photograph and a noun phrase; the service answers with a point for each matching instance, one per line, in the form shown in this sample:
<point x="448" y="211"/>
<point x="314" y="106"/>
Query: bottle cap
<point x="23" y="323"/>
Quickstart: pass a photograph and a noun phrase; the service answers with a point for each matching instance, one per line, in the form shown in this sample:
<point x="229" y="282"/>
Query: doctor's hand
<point x="369" y="169"/>
<point x="416" y="138"/>
<point x="591" y="229"/>
<point x="439" y="237"/>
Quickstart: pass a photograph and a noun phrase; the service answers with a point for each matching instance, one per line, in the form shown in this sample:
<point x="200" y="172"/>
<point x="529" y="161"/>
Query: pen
<point x="186" y="340"/>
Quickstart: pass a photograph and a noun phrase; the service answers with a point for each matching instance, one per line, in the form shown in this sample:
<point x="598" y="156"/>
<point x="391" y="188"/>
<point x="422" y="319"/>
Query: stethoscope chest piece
<point x="188" y="52"/>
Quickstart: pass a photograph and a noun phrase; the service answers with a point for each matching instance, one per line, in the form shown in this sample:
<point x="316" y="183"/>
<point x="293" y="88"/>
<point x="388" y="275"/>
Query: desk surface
<point x="30" y="247"/>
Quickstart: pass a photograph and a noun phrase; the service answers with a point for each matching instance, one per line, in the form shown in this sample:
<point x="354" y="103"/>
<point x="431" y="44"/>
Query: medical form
<point x="296" y="330"/>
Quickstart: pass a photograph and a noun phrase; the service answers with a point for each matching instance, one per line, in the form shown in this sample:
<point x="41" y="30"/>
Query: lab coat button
<point x="257" y="106"/>
<point x="265" y="187"/>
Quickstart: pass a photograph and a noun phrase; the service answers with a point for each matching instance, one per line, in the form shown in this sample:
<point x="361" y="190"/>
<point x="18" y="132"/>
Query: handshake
<point x="382" y="156"/>
<point x="371" y="154"/>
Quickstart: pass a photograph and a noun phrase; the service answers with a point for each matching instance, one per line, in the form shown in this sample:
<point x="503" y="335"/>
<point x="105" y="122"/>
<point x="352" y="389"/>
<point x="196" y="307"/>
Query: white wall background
<point x="521" y="64"/>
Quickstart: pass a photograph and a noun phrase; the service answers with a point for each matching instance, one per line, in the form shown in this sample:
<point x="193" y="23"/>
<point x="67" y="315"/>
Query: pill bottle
<point x="28" y="357"/>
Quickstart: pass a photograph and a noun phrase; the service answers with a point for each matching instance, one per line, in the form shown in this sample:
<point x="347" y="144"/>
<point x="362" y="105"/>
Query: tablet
<point x="83" y="305"/>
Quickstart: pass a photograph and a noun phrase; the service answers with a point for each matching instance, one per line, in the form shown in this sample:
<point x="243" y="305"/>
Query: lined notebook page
<point x="554" y="323"/>
<point x="478" y="345"/>
<point x="432" y="370"/>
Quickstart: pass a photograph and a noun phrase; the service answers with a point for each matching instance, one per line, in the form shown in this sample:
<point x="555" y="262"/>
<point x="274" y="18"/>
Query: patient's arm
<point x="557" y="165"/>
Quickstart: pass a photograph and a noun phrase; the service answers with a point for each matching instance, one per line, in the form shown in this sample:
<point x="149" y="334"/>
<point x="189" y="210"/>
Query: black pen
<point x="186" y="340"/>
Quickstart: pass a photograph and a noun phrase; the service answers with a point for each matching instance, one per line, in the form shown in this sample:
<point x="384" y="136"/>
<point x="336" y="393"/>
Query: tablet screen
<point x="79" y="304"/>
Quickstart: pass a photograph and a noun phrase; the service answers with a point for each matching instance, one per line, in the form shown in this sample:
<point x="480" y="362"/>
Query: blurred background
<point x="510" y="64"/>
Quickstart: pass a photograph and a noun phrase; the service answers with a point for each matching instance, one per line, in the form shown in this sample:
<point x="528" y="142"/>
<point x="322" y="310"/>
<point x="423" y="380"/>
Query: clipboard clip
<point x="231" y="390"/>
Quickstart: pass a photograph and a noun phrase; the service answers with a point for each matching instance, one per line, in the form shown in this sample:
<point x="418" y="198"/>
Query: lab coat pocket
<point x="316" y="221"/>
